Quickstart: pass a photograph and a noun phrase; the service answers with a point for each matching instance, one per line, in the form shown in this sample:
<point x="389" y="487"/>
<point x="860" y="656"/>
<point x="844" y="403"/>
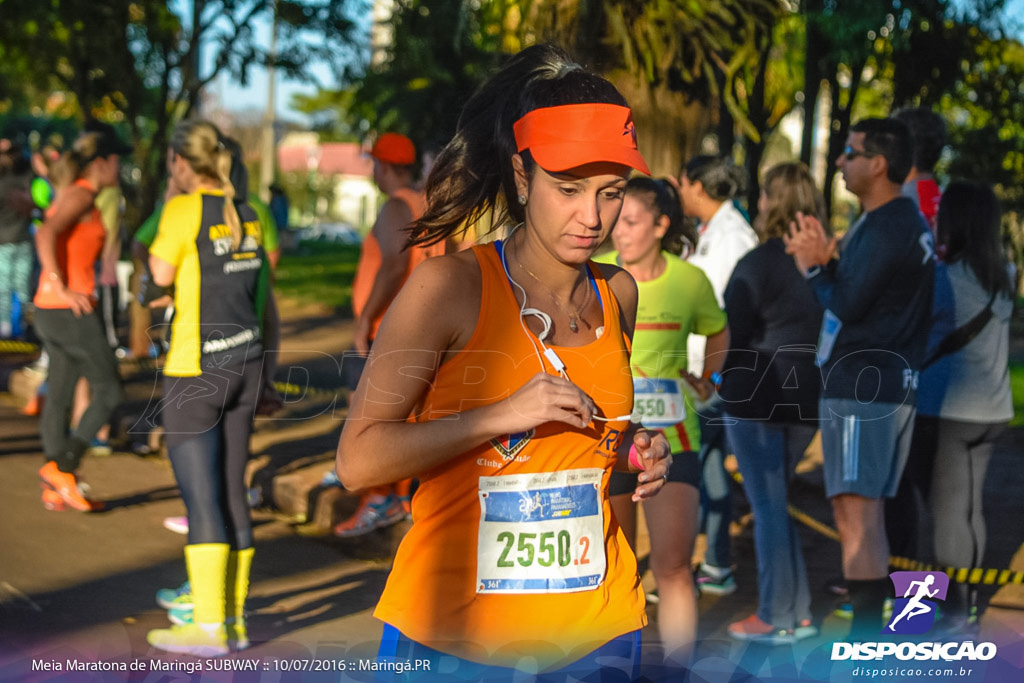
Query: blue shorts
<point x="616" y="660"/>
<point x="866" y="446"/>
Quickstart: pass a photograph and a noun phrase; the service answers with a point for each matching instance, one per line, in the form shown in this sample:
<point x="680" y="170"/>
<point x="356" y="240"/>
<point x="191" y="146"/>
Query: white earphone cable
<point x="549" y="353"/>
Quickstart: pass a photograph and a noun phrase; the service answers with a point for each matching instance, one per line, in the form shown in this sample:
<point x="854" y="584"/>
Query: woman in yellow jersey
<point x="675" y="300"/>
<point x="513" y="360"/>
<point x="210" y="248"/>
<point x="69" y="243"/>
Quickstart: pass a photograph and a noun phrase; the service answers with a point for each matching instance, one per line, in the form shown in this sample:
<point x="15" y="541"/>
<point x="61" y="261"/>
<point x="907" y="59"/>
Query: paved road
<point x="80" y="587"/>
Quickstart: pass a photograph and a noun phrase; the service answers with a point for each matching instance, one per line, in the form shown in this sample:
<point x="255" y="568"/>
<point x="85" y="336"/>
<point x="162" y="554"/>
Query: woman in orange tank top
<point x="69" y="243"/>
<point x="513" y="360"/>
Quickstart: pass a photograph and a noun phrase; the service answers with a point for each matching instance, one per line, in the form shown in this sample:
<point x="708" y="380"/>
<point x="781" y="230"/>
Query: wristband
<point x="713" y="377"/>
<point x="634" y="458"/>
<point x="149" y="291"/>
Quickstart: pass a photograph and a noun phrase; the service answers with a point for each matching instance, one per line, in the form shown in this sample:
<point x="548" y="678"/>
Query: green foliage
<point x="986" y="115"/>
<point x="1017" y="387"/>
<point x="319" y="273"/>
<point x="440" y="52"/>
<point x="138" y="61"/>
<point x="707" y="50"/>
<point x="681" y="56"/>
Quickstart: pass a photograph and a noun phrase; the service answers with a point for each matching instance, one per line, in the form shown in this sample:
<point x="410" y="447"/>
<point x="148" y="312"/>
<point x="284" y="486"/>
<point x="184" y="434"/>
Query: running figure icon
<point x="914" y="606"/>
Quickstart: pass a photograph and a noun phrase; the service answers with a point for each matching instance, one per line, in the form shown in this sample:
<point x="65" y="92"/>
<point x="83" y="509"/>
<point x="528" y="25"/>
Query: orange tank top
<point x="78" y="249"/>
<point x="370" y="257"/>
<point x="514" y="552"/>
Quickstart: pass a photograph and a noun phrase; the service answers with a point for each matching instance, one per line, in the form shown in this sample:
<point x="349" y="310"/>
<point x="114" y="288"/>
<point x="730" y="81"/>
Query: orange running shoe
<point x="65" y="484"/>
<point x="34" y="406"/>
<point x="51" y="499"/>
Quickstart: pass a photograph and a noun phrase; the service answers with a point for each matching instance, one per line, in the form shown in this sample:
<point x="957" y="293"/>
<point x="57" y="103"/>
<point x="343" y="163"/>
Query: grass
<point x="319" y="273"/>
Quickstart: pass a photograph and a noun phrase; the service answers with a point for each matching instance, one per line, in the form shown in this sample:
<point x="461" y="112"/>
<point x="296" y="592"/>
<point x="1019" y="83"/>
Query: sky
<point x="253" y="96"/>
<point x="234" y="97"/>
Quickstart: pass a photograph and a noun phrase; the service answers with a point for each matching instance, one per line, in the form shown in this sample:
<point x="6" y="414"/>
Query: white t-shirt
<point x="723" y="241"/>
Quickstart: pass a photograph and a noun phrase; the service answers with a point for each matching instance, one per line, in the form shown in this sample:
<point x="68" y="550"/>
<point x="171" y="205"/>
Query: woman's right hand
<point x="548" y="398"/>
<point x="79" y="303"/>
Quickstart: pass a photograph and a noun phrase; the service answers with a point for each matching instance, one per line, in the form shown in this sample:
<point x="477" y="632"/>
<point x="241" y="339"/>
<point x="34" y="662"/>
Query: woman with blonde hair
<point x="210" y="249"/>
<point x="770" y="388"/>
<point x="68" y="243"/>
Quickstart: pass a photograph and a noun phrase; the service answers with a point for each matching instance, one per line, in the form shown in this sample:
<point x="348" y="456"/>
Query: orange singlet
<point x="370" y="257"/>
<point x="514" y="552"/>
<point x="77" y="249"/>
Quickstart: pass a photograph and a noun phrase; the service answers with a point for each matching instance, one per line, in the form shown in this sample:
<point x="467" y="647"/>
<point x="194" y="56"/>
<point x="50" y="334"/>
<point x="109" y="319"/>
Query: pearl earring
<point x="522" y="200"/>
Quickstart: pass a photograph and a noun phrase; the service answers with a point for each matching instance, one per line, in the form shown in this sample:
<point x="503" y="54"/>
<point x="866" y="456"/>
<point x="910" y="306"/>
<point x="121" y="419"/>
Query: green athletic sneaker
<point x="175" y="597"/>
<point x="181" y="613"/>
<point x="845" y="610"/>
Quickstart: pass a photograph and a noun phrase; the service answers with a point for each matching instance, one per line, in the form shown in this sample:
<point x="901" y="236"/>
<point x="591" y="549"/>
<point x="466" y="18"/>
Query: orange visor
<point x="571" y="135"/>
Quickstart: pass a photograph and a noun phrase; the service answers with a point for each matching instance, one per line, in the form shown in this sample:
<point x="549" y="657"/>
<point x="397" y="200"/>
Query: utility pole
<point x="268" y="156"/>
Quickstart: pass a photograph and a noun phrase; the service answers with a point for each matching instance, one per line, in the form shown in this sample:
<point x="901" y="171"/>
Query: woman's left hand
<point x="269" y="401"/>
<point x="704" y="388"/>
<point x="656" y="457"/>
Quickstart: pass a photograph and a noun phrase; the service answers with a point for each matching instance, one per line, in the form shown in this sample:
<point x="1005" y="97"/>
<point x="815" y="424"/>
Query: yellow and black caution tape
<point x="973" y="575"/>
<point x="286" y="389"/>
<point x="283" y="388"/>
<point x="14" y="346"/>
<point x="144" y="364"/>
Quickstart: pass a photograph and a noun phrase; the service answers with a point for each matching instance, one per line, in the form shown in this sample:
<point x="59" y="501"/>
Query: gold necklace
<point x="574" y="318"/>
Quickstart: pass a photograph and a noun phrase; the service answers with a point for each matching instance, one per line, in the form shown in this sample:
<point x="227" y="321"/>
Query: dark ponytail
<point x="718" y="175"/>
<point x="472" y="176"/>
<point x="660" y="197"/>
<point x="969" y="226"/>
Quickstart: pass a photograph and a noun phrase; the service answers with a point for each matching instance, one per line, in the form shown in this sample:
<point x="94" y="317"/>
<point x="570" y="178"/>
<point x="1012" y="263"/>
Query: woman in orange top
<point x="513" y="360"/>
<point x="69" y="243"/>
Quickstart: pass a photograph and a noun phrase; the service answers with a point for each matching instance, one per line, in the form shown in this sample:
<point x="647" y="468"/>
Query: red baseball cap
<point x="394" y="148"/>
<point x="571" y="135"/>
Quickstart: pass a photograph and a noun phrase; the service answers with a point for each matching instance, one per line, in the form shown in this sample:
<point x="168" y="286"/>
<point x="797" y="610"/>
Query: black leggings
<point x="208" y="421"/>
<point x="77" y="348"/>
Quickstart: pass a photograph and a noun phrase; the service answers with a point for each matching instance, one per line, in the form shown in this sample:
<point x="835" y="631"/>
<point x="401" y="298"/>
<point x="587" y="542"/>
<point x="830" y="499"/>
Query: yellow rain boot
<point x="239" y="566"/>
<point x="206" y="635"/>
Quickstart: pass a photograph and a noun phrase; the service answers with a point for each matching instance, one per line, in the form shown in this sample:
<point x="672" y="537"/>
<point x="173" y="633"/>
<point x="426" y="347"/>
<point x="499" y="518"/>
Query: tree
<point x="676" y="61"/>
<point x="141" y="63"/>
<point x="891" y="53"/>
<point x="682" y="64"/>
<point x="439" y="52"/>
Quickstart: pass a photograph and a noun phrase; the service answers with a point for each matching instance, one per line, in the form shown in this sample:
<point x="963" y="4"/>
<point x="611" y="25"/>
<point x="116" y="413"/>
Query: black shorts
<point x="685" y="469"/>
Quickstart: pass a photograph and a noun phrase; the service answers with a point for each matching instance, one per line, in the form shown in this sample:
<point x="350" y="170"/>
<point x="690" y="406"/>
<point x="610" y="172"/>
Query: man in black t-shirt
<point x="878" y="300"/>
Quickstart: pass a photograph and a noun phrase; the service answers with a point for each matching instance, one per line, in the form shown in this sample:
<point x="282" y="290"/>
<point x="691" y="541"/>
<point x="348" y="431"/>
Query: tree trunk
<point x="666" y="140"/>
<point x="840" y="128"/>
<point x="815" y="50"/>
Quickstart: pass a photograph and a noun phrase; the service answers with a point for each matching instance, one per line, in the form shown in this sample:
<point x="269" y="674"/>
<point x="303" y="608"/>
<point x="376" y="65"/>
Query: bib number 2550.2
<point x="545" y="549"/>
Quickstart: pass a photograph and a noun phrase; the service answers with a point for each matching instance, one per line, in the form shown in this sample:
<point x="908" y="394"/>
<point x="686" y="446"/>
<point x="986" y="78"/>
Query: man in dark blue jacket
<point x="877" y="297"/>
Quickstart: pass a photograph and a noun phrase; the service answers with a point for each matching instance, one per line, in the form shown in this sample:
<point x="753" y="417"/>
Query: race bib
<point x="541" y="533"/>
<point x="830" y="327"/>
<point x="658" y="402"/>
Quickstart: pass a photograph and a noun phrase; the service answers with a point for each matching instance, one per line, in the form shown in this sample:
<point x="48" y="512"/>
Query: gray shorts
<point x="866" y="446"/>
